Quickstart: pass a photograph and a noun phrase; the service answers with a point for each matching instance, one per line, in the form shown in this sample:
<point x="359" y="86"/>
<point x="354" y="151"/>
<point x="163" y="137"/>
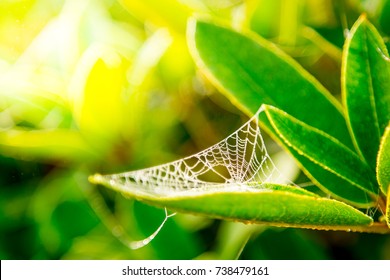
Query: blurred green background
<point x="108" y="86"/>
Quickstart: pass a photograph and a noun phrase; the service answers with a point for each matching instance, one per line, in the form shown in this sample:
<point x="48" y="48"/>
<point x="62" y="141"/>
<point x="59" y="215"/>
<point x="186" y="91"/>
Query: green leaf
<point x="251" y="71"/>
<point x="273" y="204"/>
<point x="323" y="150"/>
<point x="323" y="178"/>
<point x="273" y="208"/>
<point x="383" y="167"/>
<point x="366" y="87"/>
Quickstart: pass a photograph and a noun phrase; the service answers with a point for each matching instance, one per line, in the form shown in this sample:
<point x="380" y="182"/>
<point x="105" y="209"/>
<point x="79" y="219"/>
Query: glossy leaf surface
<point x="251" y="71"/>
<point x="366" y="87"/>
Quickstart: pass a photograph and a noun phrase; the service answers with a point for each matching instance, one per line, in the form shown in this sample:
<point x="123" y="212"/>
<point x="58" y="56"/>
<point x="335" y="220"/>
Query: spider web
<point x="239" y="161"/>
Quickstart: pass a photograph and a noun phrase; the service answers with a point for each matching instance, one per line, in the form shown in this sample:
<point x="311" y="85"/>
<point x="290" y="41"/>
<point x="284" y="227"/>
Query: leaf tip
<point x="96" y="178"/>
<point x="363" y="17"/>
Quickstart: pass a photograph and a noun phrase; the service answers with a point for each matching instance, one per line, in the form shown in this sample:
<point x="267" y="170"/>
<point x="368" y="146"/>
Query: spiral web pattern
<point x="240" y="160"/>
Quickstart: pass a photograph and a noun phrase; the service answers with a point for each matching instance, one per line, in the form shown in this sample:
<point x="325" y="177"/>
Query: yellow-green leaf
<point x="47" y="145"/>
<point x="169" y="13"/>
<point x="97" y="93"/>
<point x="383" y="164"/>
<point x="388" y="209"/>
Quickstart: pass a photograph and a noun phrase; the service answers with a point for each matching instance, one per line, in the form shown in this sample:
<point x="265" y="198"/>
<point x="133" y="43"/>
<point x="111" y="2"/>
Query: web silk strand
<point x="239" y="159"/>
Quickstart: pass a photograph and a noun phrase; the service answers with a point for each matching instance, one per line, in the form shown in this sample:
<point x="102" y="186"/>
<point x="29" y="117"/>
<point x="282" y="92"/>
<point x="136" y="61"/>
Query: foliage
<point x="109" y="86"/>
